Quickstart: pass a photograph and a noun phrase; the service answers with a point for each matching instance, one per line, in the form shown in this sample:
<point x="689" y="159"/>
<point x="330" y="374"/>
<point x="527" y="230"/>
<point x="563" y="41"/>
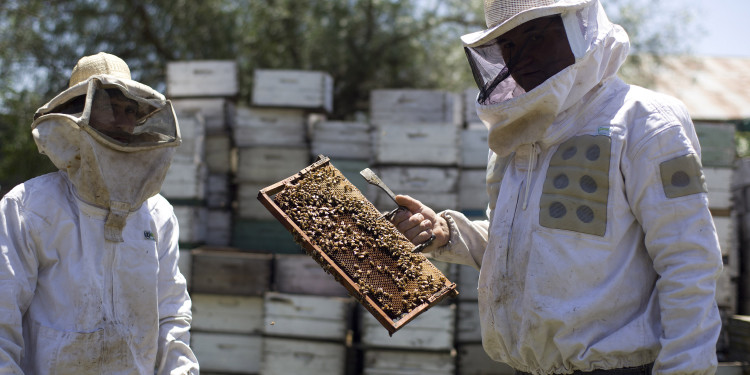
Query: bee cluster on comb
<point x="350" y="239"/>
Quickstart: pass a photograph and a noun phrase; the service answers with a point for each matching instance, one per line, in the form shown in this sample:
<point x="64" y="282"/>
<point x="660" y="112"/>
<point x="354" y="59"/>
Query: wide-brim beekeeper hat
<point x="504" y="15"/>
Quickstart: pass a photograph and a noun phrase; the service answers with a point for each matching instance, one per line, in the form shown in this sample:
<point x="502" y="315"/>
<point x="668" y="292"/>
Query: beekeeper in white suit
<point x="599" y="252"/>
<point x="89" y="282"/>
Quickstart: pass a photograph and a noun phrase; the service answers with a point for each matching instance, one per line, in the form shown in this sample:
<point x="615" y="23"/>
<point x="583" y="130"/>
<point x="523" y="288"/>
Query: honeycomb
<point x="360" y="246"/>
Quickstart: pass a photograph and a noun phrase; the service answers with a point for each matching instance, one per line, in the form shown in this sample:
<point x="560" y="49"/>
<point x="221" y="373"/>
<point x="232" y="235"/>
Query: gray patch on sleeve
<point x="576" y="188"/>
<point x="683" y="176"/>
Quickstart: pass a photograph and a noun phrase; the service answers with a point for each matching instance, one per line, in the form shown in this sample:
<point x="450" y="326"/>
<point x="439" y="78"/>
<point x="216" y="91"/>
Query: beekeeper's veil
<point x="514" y="116"/>
<point x="114" y="137"/>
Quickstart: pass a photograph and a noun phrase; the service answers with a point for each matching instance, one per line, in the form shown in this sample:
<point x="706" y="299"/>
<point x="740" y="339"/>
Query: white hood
<point x="515" y="117"/>
<point x="105" y="172"/>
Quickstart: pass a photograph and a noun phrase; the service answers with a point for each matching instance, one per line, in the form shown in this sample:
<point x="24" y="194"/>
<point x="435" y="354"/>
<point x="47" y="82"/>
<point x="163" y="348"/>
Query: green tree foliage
<point x="363" y="44"/>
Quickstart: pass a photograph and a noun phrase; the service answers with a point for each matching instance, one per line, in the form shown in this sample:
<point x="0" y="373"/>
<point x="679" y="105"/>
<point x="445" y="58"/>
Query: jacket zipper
<point x="510" y="229"/>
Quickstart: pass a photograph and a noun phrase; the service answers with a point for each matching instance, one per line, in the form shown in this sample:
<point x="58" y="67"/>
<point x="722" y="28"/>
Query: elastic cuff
<point x="452" y="230"/>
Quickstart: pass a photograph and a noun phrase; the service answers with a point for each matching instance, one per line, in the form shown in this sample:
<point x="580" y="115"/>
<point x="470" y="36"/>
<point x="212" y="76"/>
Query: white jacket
<point x="600" y="251"/>
<point x="633" y="286"/>
<point x="73" y="303"/>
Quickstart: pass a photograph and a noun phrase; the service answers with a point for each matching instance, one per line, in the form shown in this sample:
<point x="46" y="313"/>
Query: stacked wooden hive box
<point x="198" y="181"/>
<point x="272" y="144"/>
<point x="415" y="152"/>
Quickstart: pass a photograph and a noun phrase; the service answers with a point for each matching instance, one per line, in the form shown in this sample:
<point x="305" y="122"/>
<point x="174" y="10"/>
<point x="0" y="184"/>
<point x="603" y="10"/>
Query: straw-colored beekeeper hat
<point x="101" y="63"/>
<point x="504" y="15"/>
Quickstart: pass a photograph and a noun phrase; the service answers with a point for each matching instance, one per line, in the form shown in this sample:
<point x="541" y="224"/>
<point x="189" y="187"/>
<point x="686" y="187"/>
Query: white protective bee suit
<point x="89" y="282"/>
<point x="600" y="251"/>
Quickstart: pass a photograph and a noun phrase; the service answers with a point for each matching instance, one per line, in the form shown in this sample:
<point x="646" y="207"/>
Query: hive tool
<point x="373" y="179"/>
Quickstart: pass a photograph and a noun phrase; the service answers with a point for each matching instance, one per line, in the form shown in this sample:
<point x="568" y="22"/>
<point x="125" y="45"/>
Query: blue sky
<point x="725" y="25"/>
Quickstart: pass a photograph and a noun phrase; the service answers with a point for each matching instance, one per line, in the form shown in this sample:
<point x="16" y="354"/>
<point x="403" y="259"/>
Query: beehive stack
<point x="305" y="334"/>
<point x="272" y="143"/>
<point x="198" y="182"/>
<point x="227" y="291"/>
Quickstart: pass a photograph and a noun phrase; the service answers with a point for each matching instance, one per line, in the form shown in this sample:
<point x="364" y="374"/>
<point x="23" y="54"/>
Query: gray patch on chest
<point x="576" y="187"/>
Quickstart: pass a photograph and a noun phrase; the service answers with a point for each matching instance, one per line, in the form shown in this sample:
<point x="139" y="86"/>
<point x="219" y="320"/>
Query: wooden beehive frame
<point x="392" y="325"/>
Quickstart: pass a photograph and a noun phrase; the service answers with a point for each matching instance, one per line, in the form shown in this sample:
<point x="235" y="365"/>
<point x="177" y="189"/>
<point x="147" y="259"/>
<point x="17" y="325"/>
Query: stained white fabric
<point x="73" y="303"/>
<point x="557" y="300"/>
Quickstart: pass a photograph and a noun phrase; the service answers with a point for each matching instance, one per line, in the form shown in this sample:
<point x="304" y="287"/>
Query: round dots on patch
<point x="561" y="181"/>
<point x="557" y="210"/>
<point x="569" y="153"/>
<point x="680" y="179"/>
<point x="585" y="214"/>
<point x="593" y="153"/>
<point x="576" y="186"/>
<point x="588" y="184"/>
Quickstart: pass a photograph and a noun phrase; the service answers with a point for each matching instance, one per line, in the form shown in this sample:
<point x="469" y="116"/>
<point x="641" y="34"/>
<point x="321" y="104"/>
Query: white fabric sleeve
<point x="681" y="239"/>
<point x="174" y="353"/>
<point x="18" y="274"/>
<point x="468" y="240"/>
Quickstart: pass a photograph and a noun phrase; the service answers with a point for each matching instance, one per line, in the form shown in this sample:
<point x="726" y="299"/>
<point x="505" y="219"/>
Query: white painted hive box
<point x="309" y="317"/>
<point x="398" y="362"/>
<point x="341" y="139"/>
<point x="202" y="78"/>
<point x="287" y="356"/>
<point x="224" y="313"/>
<point x="293" y="88"/>
<point x="255" y="126"/>
<point x="432" y="330"/>
<point x="270" y="164"/>
<point x="389" y="106"/>
<point x="416" y="144"/>
<point x="227" y="352"/>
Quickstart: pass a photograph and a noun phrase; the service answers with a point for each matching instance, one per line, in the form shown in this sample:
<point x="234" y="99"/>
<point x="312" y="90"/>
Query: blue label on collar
<point x="603" y="130"/>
